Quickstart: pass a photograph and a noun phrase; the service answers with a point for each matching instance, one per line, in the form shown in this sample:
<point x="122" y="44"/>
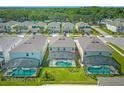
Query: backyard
<point x="119" y="58"/>
<point x="52" y="76"/>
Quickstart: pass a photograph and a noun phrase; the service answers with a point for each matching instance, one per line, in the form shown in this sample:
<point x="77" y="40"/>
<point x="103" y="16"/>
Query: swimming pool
<point x="63" y="64"/>
<point x="22" y="73"/>
<point x="99" y="70"/>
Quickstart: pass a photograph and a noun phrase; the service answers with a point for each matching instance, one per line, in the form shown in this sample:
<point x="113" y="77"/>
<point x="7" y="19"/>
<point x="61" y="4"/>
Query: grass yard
<point x="67" y="75"/>
<point x="94" y="32"/>
<point x="53" y="76"/>
<point x="119" y="59"/>
<point x="118" y="48"/>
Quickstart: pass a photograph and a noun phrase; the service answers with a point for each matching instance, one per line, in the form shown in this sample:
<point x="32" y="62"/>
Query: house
<point x="116" y="25"/>
<point x="34" y="48"/>
<point x="24" y="27"/>
<point x="39" y="25"/>
<point x="62" y="52"/>
<point x="68" y="27"/>
<point x="1" y="57"/>
<point x="85" y="27"/>
<point x="8" y="26"/>
<point x="2" y="27"/>
<point x="7" y="43"/>
<point x="61" y="47"/>
<point x="97" y="56"/>
<point x="54" y="27"/>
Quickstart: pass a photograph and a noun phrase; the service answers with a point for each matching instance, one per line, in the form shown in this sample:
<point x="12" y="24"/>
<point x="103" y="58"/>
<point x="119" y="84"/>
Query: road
<point x="105" y="41"/>
<point x="100" y="31"/>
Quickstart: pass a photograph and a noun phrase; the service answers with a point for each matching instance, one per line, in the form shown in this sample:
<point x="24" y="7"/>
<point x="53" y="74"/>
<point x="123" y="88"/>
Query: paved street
<point x="100" y="31"/>
<point x="110" y="81"/>
<point x="117" y="41"/>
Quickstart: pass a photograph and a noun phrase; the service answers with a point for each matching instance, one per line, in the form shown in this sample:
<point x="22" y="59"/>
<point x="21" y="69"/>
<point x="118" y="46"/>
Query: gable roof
<point x="62" y="41"/>
<point x="93" y="44"/>
<point x="34" y="43"/>
<point x="11" y="23"/>
<point x="26" y="23"/>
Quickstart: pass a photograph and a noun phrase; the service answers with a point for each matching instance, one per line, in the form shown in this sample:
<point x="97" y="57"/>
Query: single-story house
<point x="67" y="27"/>
<point x="54" y="27"/>
<point x="85" y="27"/>
<point x="97" y="56"/>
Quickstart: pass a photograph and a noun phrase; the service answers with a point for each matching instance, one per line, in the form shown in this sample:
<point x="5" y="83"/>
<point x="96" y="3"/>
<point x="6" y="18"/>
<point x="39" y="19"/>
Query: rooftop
<point x="82" y="24"/>
<point x="26" y="23"/>
<point x="34" y="43"/>
<point x="11" y="23"/>
<point x="61" y="41"/>
<point x="93" y="44"/>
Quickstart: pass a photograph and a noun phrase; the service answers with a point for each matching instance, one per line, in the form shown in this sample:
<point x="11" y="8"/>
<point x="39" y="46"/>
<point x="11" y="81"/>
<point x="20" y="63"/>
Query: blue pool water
<point x="23" y="73"/>
<point x="63" y="64"/>
<point x="99" y="70"/>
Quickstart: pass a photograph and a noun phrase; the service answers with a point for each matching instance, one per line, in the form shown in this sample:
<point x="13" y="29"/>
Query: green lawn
<point x="67" y="75"/>
<point x="119" y="59"/>
<point x="118" y="48"/>
<point x="108" y="31"/>
<point x="54" y="76"/>
<point x="94" y="32"/>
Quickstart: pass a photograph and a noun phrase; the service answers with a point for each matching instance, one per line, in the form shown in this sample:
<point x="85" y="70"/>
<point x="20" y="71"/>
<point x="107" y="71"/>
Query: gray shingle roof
<point x="115" y="23"/>
<point x="93" y="44"/>
<point x="61" y="41"/>
<point x="26" y="23"/>
<point x="11" y="23"/>
<point x="34" y="43"/>
<point x="39" y="24"/>
<point x="52" y="24"/>
<point x="80" y="24"/>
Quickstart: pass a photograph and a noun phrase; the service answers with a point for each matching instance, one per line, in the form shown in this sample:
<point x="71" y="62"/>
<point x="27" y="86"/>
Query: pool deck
<point x="53" y="63"/>
<point x="6" y="74"/>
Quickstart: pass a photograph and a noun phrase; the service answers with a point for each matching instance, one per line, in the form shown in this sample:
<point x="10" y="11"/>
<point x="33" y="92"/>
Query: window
<point x="1" y="53"/>
<point x="58" y="49"/>
<point x="64" y="49"/>
<point x="85" y="53"/>
<point x="27" y="54"/>
<point x="100" y="53"/>
<point x="50" y="48"/>
<point x="72" y="48"/>
<point x="32" y="53"/>
<point x="110" y="53"/>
